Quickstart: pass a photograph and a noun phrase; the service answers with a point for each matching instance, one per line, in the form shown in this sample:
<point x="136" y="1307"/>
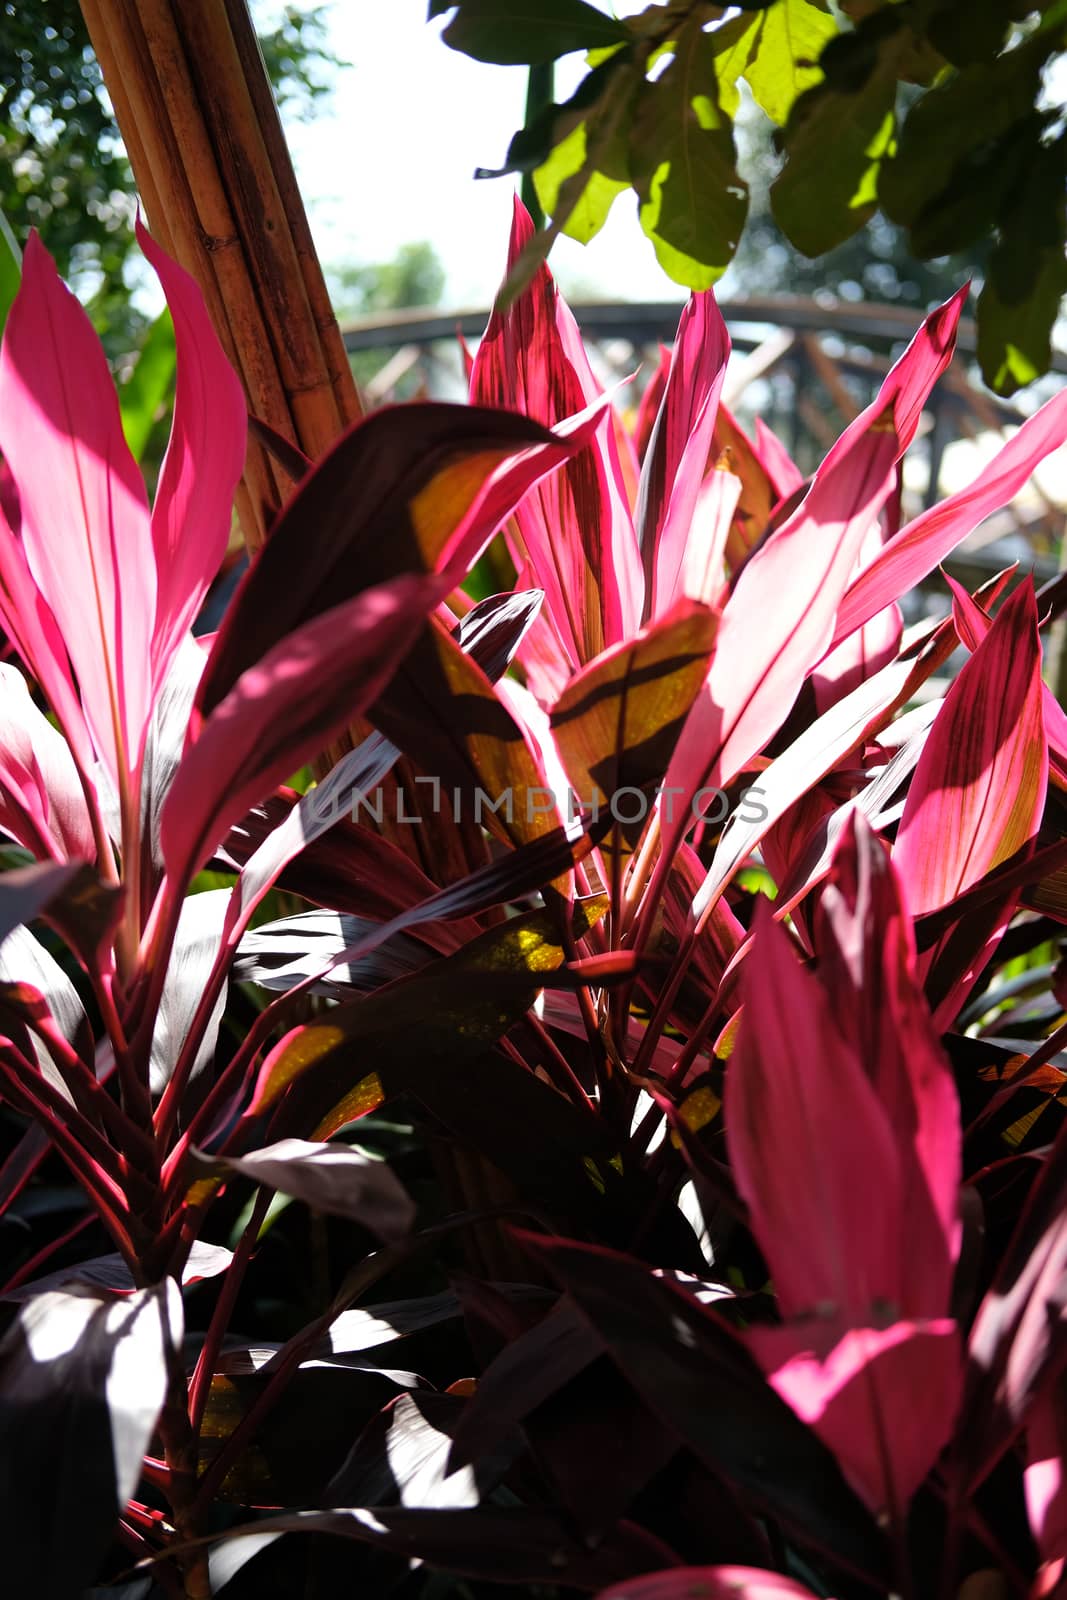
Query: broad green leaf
<point x="952" y="124"/>
<point x="522" y="32"/>
<point x="1015" y="340"/>
<point x="618" y="81"/>
<point x="836" y="140"/>
<point x="148" y="385"/>
<point x="684" y="167"/>
<point x="533" y="145"/>
<point x="777" y="53"/>
<point x="590" y="211"/>
<point x="10" y="268"/>
<point x="1027" y="274"/>
<point x="735" y="44"/>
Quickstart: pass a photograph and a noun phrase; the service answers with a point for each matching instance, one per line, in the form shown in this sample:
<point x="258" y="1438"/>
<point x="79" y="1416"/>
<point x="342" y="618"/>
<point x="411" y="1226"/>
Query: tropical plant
<point x="63" y="167"/>
<point x="945" y="115"/>
<point x="702" y="949"/>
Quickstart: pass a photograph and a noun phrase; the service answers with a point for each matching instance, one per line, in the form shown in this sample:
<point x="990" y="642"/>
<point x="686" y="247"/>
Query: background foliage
<point x="943" y="117"/>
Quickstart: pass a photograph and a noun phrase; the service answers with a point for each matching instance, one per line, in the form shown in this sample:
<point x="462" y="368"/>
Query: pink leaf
<point x="575" y="527"/>
<point x="863" y="652"/>
<point x="979" y="789"/>
<point x="707" y="1583"/>
<point x="778" y="464"/>
<point x="883" y="1399"/>
<point x="918" y="547"/>
<point x="867" y="961"/>
<point x="193" y="508"/>
<point x="41" y="800"/>
<point x="812" y="1149"/>
<point x="908" y="384"/>
<point x="285" y="709"/>
<point x="779" y="619"/>
<point x="677" y="454"/>
<point x="85" y="528"/>
<point x="31" y="628"/>
<point x="825" y="742"/>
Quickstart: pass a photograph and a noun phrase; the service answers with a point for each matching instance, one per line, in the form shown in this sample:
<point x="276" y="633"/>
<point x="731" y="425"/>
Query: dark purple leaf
<point x="693" y="1371"/>
<point x="333" y="1178"/>
<point x="82" y="1380"/>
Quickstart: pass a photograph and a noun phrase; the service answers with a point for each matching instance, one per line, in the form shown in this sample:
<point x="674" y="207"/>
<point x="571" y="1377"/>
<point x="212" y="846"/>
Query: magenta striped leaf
<point x="928" y="539"/>
<point x="284" y="710"/>
<point x="979" y="789"/>
<point x="779" y="619"/>
<point x="85" y="524"/>
<point x="193" y="508"/>
<point x="677" y="454"/>
<point x="574" y="528"/>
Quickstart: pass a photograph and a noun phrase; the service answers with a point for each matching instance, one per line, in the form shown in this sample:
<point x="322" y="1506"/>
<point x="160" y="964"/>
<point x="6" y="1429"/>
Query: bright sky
<point x="390" y="157"/>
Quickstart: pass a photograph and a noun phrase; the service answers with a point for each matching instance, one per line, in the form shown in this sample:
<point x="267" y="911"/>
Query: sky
<point x="389" y="159"/>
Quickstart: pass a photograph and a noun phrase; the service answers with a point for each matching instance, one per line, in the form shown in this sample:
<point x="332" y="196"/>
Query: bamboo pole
<point x="197" y="115"/>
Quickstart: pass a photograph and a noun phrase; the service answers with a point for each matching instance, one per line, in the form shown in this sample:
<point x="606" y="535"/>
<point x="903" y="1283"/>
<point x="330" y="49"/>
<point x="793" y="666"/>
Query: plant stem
<point x="200" y="1385"/>
<point x="180" y="1455"/>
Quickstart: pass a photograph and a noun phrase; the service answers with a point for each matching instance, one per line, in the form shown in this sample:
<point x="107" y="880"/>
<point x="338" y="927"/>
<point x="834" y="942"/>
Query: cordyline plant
<point x="716" y="954"/>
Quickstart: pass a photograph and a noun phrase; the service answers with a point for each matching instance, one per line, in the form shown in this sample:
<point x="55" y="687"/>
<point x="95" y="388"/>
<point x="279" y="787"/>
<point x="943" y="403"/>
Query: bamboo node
<point x="213" y="242"/>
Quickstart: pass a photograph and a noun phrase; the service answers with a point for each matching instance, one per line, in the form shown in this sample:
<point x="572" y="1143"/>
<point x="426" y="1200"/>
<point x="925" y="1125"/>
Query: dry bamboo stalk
<point x="198" y="118"/>
<point x="149" y="139"/>
<point x="274" y="265"/>
<point x="348" y="401"/>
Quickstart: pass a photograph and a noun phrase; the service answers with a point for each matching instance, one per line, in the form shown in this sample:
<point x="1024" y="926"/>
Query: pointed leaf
<point x="919" y="546"/>
<point x="883" y="1399"/>
<point x="574" y="527"/>
<point x="333" y="1178"/>
<point x="284" y="710"/>
<point x="814" y="753"/>
<point x="193" y="508"/>
<point x="42" y="804"/>
<point x="780" y="616"/>
<point x="408" y="489"/>
<point x="83" y="504"/>
<point x="979" y="788"/>
<point x="677" y="454"/>
<point x="82" y="1380"/>
<point x="32" y="629"/>
<point x="806" y="1134"/>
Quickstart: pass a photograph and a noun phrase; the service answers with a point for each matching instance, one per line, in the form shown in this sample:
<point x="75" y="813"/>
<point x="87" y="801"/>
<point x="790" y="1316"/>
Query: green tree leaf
<point x="620" y="80"/>
<point x="10" y="269"/>
<point x="591" y="210"/>
<point x="684" y="166"/>
<point x="1027" y="276"/>
<point x="523" y="32"/>
<point x="1015" y="341"/>
<point x="608" y="178"/>
<point x="947" y="126"/>
<point x="836" y="138"/>
<point x="781" y="48"/>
